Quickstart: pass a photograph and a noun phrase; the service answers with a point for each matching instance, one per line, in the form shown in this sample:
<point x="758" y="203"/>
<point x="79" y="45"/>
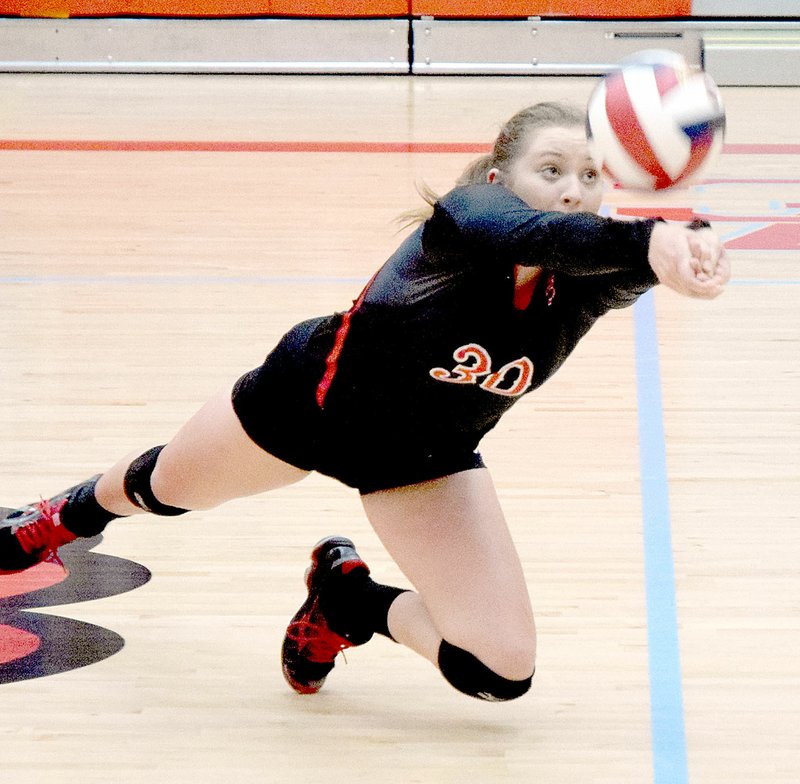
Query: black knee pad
<point x="138" y="489"/>
<point x="471" y="676"/>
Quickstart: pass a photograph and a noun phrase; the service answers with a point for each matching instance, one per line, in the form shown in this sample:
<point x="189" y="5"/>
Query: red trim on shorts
<point x="332" y="360"/>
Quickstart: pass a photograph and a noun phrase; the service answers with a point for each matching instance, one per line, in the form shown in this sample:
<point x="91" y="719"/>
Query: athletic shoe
<point x="310" y="646"/>
<point x="33" y="534"/>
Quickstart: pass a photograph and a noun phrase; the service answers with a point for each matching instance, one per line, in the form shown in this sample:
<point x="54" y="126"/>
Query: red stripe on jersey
<point x="625" y="124"/>
<point x="332" y="360"/>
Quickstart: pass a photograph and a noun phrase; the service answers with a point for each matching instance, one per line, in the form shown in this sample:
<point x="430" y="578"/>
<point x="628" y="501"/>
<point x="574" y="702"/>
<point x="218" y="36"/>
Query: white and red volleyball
<point x="655" y="123"/>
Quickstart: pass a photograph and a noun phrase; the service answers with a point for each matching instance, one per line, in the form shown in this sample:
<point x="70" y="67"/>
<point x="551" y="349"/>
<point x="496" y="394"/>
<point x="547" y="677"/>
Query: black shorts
<point x="277" y="407"/>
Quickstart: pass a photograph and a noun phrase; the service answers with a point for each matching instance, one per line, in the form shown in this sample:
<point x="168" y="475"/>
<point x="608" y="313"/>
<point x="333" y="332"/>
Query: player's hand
<point x="691" y="262"/>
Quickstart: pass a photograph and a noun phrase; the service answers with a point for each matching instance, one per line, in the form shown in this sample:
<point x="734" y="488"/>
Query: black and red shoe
<point x="33" y="534"/>
<point x="310" y="645"/>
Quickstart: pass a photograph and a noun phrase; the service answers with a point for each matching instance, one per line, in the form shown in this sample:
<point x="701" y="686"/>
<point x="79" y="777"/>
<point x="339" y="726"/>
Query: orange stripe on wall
<point x="579" y="8"/>
<point x="336" y="8"/>
<point x="347" y="8"/>
<point x="203" y="8"/>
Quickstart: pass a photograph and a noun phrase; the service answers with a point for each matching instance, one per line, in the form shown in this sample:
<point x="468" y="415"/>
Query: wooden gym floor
<point x="161" y="232"/>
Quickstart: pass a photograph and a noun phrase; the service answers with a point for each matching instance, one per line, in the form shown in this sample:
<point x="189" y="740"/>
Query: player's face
<point x="556" y="172"/>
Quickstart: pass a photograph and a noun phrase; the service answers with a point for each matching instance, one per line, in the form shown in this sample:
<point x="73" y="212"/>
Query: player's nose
<point x="571" y="193"/>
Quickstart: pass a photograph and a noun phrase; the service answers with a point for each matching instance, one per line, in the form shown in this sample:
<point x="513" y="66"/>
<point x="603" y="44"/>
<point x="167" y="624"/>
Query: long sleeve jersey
<point x="435" y="351"/>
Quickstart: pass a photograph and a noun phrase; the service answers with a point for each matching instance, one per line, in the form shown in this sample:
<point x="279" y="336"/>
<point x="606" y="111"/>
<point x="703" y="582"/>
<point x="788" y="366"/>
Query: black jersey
<point x="434" y="351"/>
<point x="436" y="343"/>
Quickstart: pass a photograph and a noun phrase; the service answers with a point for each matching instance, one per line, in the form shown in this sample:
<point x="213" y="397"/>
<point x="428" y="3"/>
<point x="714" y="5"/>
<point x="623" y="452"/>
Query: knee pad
<point x="466" y="673"/>
<point x="138" y="489"/>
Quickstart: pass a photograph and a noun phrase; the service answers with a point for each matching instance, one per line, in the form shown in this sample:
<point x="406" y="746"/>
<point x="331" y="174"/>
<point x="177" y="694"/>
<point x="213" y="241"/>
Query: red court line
<point x="99" y="145"/>
<point x="761" y="149"/>
<point x="751" y="180"/>
<point x="90" y="145"/>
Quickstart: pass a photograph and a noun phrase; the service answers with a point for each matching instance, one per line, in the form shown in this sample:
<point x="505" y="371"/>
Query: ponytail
<point x="510" y="144"/>
<point x="477" y="173"/>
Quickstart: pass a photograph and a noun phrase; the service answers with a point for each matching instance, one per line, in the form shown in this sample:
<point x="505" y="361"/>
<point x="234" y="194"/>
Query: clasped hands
<point x="690" y="261"/>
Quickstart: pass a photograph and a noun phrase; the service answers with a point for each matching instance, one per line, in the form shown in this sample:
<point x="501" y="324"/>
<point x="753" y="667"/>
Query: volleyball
<point x="654" y="123"/>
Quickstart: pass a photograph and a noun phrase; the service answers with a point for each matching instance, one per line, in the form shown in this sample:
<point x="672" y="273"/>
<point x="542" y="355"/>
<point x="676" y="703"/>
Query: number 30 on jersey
<point x="475" y="367"/>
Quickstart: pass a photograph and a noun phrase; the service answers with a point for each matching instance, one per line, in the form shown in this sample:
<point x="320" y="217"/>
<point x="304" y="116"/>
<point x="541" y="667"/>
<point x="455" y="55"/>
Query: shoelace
<point x="316" y="640"/>
<point x="43" y="533"/>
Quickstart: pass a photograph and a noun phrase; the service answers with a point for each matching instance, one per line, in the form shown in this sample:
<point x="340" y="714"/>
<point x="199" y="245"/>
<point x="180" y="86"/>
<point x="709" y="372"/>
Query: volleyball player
<point x="479" y="306"/>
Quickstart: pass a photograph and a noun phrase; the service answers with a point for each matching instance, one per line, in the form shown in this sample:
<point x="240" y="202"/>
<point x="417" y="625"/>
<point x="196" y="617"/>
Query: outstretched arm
<point x="691" y="262"/>
<point x="490" y="222"/>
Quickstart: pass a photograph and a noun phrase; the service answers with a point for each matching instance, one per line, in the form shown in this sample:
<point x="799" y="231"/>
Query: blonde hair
<point x="510" y="143"/>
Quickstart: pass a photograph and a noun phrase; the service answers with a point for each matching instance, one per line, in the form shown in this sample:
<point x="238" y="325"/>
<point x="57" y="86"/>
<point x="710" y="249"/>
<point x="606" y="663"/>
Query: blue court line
<point x="670" y="764"/>
<point x="181" y="280"/>
<point x="253" y="280"/>
<point x="764" y="282"/>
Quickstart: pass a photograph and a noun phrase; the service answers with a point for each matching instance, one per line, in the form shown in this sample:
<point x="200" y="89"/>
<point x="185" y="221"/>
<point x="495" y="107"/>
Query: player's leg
<point x="209" y="461"/>
<point x="471" y="614"/>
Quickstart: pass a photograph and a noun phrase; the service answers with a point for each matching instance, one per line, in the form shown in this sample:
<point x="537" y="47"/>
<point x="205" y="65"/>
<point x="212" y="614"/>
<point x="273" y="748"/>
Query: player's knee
<point x="465" y="672"/>
<point x="509" y="650"/>
<point x="139" y="489"/>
